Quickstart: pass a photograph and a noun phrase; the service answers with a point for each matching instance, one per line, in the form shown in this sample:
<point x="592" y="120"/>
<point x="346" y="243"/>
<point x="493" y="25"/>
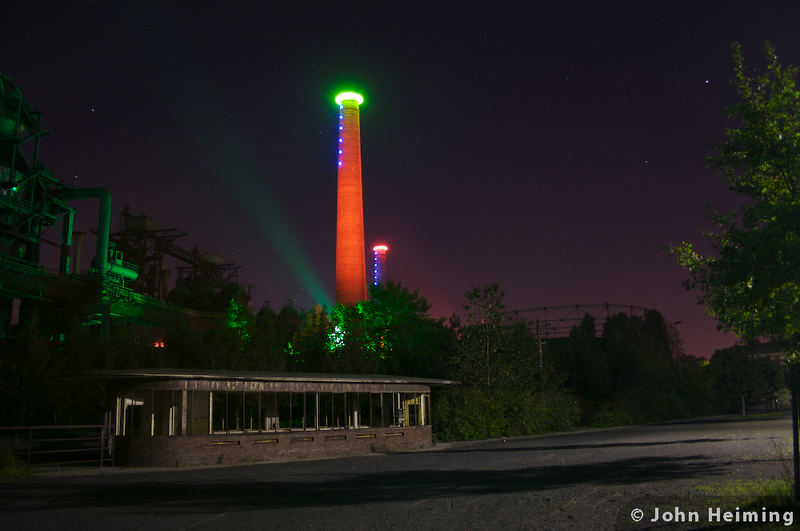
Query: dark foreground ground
<point x="581" y="480"/>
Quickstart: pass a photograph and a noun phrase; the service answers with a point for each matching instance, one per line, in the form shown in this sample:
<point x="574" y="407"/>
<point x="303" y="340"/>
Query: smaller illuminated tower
<point x="379" y="272"/>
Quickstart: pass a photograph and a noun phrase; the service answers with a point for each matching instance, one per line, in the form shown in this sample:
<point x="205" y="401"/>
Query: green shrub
<point x="470" y="413"/>
<point x="9" y="465"/>
<point x="607" y="418"/>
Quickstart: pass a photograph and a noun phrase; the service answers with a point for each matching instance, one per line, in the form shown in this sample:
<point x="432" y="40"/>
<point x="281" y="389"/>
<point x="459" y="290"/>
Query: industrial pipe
<point x="103" y="220"/>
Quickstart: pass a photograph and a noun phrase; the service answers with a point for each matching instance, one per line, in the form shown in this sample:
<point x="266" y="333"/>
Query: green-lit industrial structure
<point x="32" y="199"/>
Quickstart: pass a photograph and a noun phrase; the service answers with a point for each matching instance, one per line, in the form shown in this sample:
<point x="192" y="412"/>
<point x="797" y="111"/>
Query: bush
<point x="469" y="413"/>
<point x="608" y="418"/>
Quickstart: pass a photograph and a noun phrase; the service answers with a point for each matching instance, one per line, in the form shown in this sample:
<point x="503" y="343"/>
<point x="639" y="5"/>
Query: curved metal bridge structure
<point x="557" y="321"/>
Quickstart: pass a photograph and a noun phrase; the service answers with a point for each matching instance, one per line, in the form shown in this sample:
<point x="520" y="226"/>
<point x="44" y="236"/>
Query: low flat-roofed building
<point x="176" y="417"/>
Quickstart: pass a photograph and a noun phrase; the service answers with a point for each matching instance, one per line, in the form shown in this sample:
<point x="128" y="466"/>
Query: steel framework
<point x="557" y="321"/>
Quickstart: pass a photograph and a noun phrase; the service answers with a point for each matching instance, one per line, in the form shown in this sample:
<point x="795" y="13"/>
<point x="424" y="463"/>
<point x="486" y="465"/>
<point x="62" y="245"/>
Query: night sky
<point x="553" y="149"/>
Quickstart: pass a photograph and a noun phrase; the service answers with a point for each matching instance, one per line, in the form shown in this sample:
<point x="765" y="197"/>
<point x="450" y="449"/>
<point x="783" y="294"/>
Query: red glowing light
<point x="381" y="247"/>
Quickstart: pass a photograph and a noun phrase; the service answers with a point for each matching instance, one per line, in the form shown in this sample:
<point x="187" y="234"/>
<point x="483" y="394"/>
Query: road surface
<point x="579" y="480"/>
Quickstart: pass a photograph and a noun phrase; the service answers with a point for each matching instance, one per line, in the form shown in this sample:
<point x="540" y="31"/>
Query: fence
<point x="87" y="443"/>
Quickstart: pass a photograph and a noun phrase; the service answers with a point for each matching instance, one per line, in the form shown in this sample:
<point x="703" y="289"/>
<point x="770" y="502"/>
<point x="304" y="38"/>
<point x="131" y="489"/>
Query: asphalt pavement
<point x="579" y="480"/>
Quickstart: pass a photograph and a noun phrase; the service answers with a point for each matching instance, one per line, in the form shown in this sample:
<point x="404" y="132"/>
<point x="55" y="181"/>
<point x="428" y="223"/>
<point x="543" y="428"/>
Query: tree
<point x="409" y="341"/>
<point x="483" y="334"/>
<point x="504" y="391"/>
<point x="581" y="360"/>
<point x="742" y="378"/>
<point x="391" y="332"/>
<point x="633" y="372"/>
<point x="751" y="284"/>
<point x="307" y="351"/>
<point x="236" y="322"/>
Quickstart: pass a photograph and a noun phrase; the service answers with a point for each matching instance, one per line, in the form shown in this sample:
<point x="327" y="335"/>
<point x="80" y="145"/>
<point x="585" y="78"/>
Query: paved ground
<point x="581" y="480"/>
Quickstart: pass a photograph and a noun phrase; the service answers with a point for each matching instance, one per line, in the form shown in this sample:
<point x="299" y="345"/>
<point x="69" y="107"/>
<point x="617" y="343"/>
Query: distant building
<point x="167" y="417"/>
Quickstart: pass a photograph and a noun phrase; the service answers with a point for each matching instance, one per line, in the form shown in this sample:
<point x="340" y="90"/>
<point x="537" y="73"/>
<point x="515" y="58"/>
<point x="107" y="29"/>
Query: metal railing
<point x="34" y="445"/>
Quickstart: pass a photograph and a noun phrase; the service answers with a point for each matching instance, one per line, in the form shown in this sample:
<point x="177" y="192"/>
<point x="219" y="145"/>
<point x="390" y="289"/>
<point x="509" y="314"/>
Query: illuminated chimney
<point x="351" y="277"/>
<point x="379" y="271"/>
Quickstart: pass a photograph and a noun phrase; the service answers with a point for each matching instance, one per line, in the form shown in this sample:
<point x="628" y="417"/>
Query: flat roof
<point x="254" y="376"/>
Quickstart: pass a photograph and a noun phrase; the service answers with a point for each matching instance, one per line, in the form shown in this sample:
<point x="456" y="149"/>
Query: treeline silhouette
<point x="633" y="370"/>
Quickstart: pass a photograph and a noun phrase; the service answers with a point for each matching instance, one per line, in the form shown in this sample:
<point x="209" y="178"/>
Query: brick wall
<point x="264" y="446"/>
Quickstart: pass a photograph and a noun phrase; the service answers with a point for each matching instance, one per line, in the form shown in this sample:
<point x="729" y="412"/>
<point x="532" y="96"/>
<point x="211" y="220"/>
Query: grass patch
<point x="10" y="467"/>
<point x="776" y="494"/>
<point x="746" y="493"/>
